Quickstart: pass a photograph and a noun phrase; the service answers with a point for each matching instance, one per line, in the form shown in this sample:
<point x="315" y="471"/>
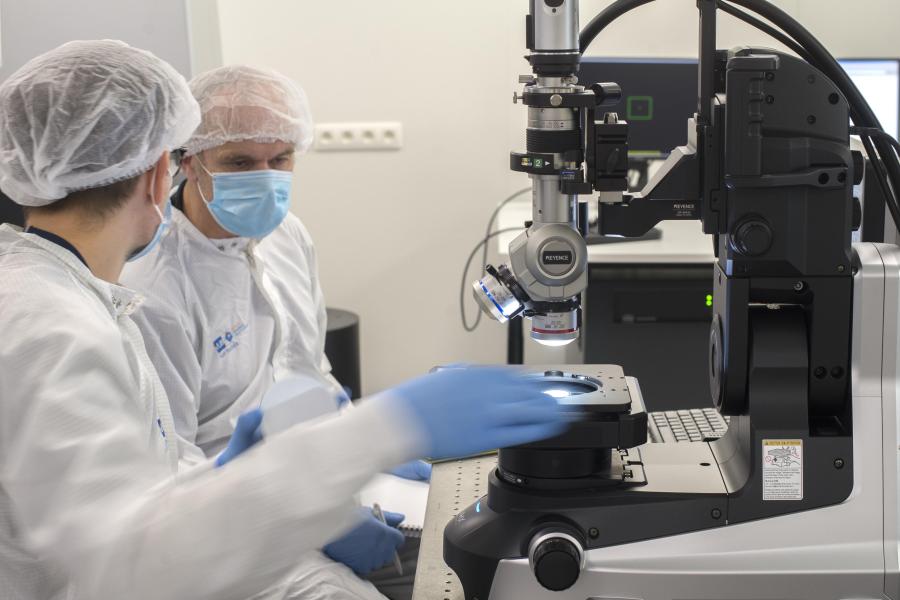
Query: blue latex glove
<point x="468" y="410"/>
<point x="370" y="545"/>
<point x="343" y="397"/>
<point x="414" y="470"/>
<point x="246" y="435"/>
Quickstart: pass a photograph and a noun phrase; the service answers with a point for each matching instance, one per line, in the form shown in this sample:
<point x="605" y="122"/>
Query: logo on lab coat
<point x="228" y="341"/>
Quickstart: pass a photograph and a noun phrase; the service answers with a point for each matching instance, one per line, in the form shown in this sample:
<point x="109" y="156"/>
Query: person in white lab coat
<point x="233" y="302"/>
<point x="92" y="503"/>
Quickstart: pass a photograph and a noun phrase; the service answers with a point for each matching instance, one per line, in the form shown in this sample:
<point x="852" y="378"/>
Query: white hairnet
<point x="245" y="103"/>
<point x="87" y="114"/>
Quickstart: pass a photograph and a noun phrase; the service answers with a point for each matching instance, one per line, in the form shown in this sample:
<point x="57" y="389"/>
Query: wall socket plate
<point x="335" y="137"/>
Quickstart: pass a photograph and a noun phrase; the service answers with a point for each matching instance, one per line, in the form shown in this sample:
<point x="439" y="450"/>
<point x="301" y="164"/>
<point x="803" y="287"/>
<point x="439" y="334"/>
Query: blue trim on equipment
<point x="491" y="298"/>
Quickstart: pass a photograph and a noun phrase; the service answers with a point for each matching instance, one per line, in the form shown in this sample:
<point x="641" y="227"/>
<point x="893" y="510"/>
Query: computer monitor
<point x="879" y="82"/>
<point x="658" y="97"/>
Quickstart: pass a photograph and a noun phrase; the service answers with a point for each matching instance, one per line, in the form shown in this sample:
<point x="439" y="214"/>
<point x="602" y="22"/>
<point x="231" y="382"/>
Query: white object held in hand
<point x="296" y="400"/>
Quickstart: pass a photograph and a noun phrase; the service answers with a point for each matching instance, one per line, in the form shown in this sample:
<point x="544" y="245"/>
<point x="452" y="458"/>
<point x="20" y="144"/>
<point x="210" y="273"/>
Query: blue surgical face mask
<point x="164" y="220"/>
<point x="249" y="203"/>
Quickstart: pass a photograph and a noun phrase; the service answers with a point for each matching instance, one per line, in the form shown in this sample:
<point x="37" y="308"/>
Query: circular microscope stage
<point x="587" y="393"/>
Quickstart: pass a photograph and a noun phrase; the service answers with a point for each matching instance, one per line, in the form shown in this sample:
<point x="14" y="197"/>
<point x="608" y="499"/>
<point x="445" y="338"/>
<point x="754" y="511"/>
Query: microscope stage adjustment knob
<point x="556" y="560"/>
<point x="607" y="93"/>
<point x="752" y="238"/>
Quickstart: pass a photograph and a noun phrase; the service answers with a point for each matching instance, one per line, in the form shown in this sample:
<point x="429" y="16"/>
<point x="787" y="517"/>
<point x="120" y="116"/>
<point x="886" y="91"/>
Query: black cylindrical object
<point x="515" y="342"/>
<point x="342" y="349"/>
<point x="556" y="562"/>
<point x="554" y="463"/>
<point x="10" y="212"/>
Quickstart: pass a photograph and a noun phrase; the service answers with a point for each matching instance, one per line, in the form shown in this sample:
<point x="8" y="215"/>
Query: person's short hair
<point x="95" y="204"/>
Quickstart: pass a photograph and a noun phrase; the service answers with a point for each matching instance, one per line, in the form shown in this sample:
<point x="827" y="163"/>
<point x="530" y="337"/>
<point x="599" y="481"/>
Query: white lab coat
<point x="90" y="505"/>
<point x="225" y="319"/>
<point x="222" y="321"/>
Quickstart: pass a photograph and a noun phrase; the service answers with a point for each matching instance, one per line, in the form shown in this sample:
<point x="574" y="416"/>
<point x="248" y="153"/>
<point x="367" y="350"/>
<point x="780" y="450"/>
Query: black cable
<point x="876" y="132"/>
<point x="814" y="50"/>
<point x="860" y="111"/>
<point x="764" y="27"/>
<point x="892" y="197"/>
<point x="606" y="16"/>
<point x="465" y="275"/>
<point x="881" y="179"/>
<point x="865" y="134"/>
<point x="821" y="58"/>
<point x="814" y="53"/>
<point x="487" y="236"/>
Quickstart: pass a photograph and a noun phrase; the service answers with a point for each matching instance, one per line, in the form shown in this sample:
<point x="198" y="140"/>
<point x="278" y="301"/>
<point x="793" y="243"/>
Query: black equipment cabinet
<point x="654" y="321"/>
<point x="342" y="349"/>
<point x="10" y="212"/>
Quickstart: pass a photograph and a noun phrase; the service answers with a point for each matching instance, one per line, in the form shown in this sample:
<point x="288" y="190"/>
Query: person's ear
<point x="160" y="181"/>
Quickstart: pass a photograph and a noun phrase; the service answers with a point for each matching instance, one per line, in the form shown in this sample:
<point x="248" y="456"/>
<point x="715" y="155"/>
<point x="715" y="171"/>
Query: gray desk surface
<point x="454" y="486"/>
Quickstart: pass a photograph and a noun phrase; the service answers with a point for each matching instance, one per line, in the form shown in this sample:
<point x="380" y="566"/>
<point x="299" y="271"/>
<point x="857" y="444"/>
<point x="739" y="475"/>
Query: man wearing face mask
<point x="234" y="303"/>
<point x="233" y="298"/>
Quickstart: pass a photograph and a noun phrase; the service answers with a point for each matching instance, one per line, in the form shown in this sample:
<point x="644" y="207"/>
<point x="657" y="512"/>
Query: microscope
<point x="548" y="262"/>
<point x="798" y="500"/>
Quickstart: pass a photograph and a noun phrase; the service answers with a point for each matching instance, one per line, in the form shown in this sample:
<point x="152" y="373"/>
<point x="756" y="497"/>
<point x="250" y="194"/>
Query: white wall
<point x="204" y="35"/>
<point x="393" y="229"/>
<point x="31" y="27"/>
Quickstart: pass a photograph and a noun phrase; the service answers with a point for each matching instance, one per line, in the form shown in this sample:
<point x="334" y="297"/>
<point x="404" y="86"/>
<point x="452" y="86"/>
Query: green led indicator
<point x="709" y="299"/>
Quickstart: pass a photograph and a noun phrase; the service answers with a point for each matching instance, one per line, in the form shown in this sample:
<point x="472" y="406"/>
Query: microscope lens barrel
<point x="555" y="25"/>
<point x="555" y="329"/>
<point x="549" y="205"/>
<point x="555" y="131"/>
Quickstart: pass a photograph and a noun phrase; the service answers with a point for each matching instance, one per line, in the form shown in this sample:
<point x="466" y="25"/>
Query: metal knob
<point x="752" y="238"/>
<point x="607" y="93"/>
<point x="556" y="560"/>
<point x="859" y="166"/>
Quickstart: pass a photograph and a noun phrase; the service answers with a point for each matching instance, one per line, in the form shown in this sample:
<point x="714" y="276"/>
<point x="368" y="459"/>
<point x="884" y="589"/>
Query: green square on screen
<point x="639" y="108"/>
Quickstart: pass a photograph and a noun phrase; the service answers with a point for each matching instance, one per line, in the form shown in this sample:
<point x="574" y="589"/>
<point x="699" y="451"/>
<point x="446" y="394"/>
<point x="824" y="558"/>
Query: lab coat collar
<point x="117" y="299"/>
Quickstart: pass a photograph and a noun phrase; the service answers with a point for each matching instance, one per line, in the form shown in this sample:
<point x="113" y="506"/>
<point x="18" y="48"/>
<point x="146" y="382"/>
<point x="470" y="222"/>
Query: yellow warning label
<point x="782" y="469"/>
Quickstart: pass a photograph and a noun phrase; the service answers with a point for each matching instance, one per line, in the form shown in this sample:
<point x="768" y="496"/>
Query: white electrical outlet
<point x="331" y="137"/>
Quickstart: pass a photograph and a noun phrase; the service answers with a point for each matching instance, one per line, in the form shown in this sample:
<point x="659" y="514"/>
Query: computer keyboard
<point x="689" y="425"/>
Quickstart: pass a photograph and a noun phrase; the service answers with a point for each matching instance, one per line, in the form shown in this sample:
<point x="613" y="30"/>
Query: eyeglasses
<point x="174" y="162"/>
